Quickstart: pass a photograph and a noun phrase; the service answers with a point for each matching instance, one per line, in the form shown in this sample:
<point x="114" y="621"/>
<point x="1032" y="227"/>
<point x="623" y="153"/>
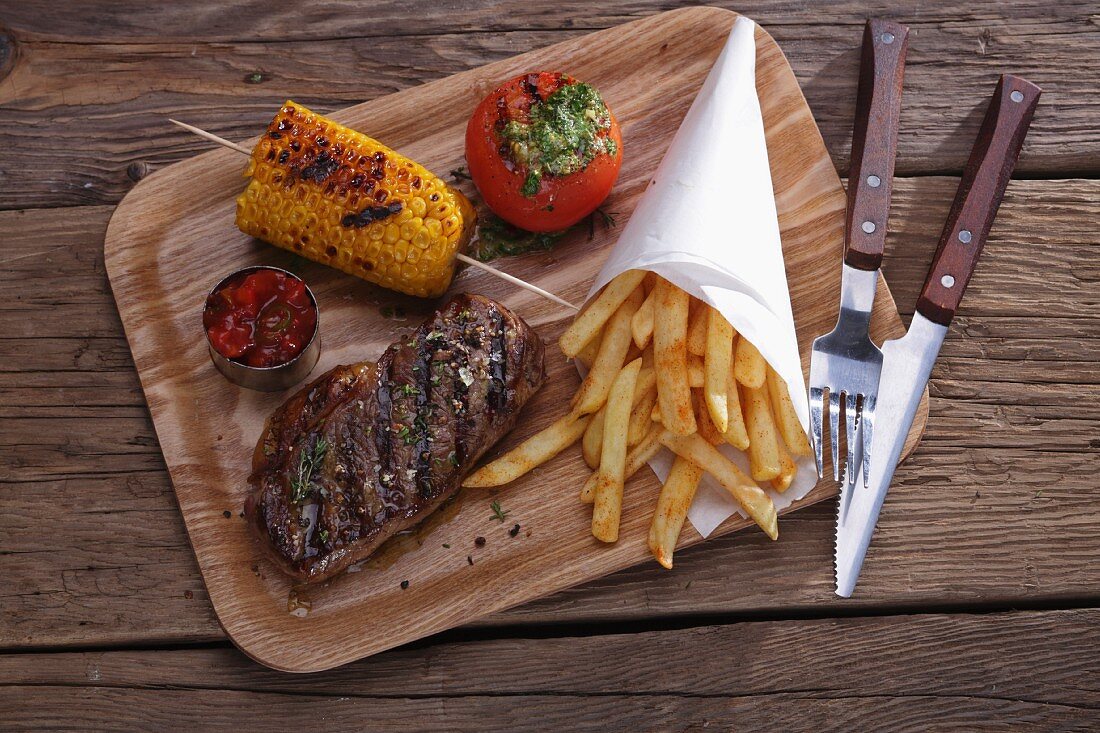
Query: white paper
<point x="707" y="222"/>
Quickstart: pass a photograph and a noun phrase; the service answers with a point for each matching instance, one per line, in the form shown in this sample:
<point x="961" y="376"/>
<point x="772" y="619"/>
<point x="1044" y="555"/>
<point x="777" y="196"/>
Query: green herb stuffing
<point x="307" y="464"/>
<point x="562" y="135"/>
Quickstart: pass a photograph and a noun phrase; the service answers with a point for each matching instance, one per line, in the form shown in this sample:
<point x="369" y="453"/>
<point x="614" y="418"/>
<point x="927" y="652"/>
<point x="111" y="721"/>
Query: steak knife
<point x="908" y="361"/>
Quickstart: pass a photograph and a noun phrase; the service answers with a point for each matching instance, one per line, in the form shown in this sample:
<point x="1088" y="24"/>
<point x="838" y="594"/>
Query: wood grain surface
<point x="996" y="512"/>
<point x="1010" y="450"/>
<point x="171" y="237"/>
<point x="874" y="142"/>
<point x="107" y="76"/>
<point x="1020" y="672"/>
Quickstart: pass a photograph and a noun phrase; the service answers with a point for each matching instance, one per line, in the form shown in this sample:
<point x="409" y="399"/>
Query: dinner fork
<point x="845" y="362"/>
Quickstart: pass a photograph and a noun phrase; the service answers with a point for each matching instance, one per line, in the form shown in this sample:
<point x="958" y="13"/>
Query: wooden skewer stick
<point x="463" y="258"/>
<point x="211" y="137"/>
<point x="514" y="280"/>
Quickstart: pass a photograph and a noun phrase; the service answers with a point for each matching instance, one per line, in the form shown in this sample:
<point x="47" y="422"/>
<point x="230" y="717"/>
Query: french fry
<point x="610" y="476"/>
<point x="649" y="282"/>
<point x="670" y="318"/>
<point x="716" y="368"/>
<point x="696" y="371"/>
<point x="610" y="359"/>
<point x="592" y="442"/>
<point x="635" y="459"/>
<point x="536" y="450"/>
<point x="655" y="416"/>
<point x="756" y="503"/>
<point x="736" y="434"/>
<point x="672" y="508"/>
<point x="587" y="355"/>
<point x="599" y="311"/>
<point x="641" y="325"/>
<point x="647" y="377"/>
<point x="748" y="365"/>
<point x="786" y="419"/>
<point x="787" y="471"/>
<point x="697" y="328"/>
<point x="707" y="429"/>
<point x="763" y="449"/>
<point x="640" y="415"/>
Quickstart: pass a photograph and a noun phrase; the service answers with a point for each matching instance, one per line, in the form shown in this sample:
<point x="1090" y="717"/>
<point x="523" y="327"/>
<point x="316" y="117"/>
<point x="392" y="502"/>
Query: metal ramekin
<point x="268" y="379"/>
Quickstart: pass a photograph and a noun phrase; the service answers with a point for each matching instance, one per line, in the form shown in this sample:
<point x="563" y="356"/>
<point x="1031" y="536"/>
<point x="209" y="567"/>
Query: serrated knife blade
<point x="906" y="364"/>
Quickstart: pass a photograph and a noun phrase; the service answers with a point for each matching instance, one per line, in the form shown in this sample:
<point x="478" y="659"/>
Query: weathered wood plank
<point x="110" y="20"/>
<point x="227" y="710"/>
<point x="1013" y="387"/>
<point x="71" y="581"/>
<point x="98" y="98"/>
<point x="1024" y="671"/>
<point x="52" y="264"/>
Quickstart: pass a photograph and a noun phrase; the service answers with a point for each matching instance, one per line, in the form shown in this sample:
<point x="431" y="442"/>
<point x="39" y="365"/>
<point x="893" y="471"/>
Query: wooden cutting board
<point x="173" y="237"/>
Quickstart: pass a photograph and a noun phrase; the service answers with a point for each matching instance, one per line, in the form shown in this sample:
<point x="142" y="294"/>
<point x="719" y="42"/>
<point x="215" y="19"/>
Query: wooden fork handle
<point x="980" y="192"/>
<point x="874" y="142"/>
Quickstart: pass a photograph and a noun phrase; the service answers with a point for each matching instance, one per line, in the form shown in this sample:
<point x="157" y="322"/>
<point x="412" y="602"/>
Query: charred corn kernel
<point x="338" y="197"/>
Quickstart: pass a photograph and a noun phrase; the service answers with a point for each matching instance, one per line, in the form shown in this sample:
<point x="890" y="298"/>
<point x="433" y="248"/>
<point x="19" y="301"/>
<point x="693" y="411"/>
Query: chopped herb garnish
<point x="408" y="390"/>
<point x="452" y="457"/>
<point x="406" y="435"/>
<point x="498" y="514"/>
<point x="323" y="534"/>
<point x="562" y="134"/>
<point x="498" y="238"/>
<point x="460" y="174"/>
<point x="446" y="546"/>
<point x="307" y="463"/>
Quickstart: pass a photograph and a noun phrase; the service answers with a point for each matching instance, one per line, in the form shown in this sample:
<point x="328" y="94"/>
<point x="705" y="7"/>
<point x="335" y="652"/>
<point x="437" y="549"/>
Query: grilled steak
<point x="369" y="450"/>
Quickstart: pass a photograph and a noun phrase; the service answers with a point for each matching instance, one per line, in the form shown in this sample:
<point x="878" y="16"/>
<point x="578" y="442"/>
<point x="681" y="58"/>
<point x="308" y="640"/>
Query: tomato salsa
<point x="261" y="317"/>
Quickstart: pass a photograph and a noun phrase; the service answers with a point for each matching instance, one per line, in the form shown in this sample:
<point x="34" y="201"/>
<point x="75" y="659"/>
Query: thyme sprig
<point x="307" y="464"/>
<point x="498" y="514"/>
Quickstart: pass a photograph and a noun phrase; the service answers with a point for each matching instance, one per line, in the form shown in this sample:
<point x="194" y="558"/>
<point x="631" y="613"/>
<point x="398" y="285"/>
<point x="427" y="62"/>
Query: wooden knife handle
<point x="874" y="142"/>
<point x="976" y="202"/>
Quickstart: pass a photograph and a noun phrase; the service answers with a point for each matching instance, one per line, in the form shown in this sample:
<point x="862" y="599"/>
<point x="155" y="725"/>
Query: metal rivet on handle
<point x="888" y="38"/>
<point x="1016" y="96"/>
<point x="965" y="236"/>
<point x="869" y="227"/>
<point x="874" y="181"/>
<point x="947" y="281"/>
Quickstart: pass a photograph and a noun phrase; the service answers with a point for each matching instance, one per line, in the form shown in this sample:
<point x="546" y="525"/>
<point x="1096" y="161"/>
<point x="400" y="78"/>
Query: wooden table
<point x="979" y="606"/>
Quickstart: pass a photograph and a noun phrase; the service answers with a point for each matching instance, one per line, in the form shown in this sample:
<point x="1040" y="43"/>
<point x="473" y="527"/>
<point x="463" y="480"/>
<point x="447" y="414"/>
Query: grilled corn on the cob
<point x="340" y="198"/>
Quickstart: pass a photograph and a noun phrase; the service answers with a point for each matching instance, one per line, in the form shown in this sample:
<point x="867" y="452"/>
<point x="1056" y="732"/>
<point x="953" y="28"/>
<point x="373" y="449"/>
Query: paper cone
<point x="707" y="222"/>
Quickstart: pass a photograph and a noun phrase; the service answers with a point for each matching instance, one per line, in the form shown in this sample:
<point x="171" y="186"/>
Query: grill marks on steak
<point x="398" y="437"/>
